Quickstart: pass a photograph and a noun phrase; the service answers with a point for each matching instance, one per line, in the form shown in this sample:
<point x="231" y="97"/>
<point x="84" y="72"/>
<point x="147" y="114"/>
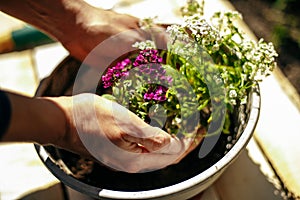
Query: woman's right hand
<point x="116" y="137"/>
<point x="94" y="127"/>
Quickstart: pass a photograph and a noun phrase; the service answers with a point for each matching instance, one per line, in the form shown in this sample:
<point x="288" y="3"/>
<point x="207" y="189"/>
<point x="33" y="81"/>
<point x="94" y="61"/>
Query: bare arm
<point x="48" y="15"/>
<point x="35" y="120"/>
<point x="88" y="124"/>
<point x="76" y="24"/>
<point x="80" y="27"/>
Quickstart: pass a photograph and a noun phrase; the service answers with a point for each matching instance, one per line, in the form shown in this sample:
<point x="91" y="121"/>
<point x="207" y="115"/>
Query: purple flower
<point x="147" y="56"/>
<point x="156" y="93"/>
<point x="116" y="72"/>
<point x="148" y="95"/>
<point x="106" y="81"/>
<point x="148" y="61"/>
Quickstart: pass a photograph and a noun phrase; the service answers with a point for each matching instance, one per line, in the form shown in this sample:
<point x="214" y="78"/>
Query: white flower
<point x="148" y="44"/>
<point x="176" y="32"/>
<point x="232" y="101"/>
<point x="232" y="94"/>
<point x="224" y="21"/>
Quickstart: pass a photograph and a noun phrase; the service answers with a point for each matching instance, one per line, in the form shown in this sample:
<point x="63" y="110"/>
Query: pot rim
<point x="212" y="171"/>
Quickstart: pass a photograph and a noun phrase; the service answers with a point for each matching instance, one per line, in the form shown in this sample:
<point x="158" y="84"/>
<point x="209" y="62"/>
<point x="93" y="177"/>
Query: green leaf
<point x="109" y="97"/>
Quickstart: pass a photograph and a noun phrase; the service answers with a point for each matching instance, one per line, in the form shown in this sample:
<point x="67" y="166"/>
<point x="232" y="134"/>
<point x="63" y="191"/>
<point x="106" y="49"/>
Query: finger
<point x="156" y="140"/>
<point x="165" y="157"/>
<point x="176" y="146"/>
<point x="133" y="147"/>
<point x="114" y="47"/>
<point x="186" y="144"/>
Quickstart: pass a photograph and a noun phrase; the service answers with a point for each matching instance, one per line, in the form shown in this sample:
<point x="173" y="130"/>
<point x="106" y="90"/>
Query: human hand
<point x="95" y="127"/>
<point x="116" y="137"/>
<point x="95" y="25"/>
<point x="80" y="27"/>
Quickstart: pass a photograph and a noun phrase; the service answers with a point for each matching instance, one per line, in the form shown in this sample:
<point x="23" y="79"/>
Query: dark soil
<point x="276" y="21"/>
<point x="103" y="177"/>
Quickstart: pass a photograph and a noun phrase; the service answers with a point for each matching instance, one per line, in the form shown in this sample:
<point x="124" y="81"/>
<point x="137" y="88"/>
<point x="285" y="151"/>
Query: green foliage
<point x="213" y="66"/>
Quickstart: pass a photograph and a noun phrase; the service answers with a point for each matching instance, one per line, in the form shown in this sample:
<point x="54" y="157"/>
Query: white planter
<point x="179" y="189"/>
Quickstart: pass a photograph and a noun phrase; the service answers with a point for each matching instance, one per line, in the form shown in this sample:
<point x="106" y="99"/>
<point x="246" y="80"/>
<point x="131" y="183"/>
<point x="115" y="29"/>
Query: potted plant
<point x="203" y="86"/>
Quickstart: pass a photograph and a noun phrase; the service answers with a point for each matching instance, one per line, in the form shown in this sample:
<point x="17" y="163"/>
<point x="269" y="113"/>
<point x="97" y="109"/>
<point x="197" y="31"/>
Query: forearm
<point x="35" y="120"/>
<point x="53" y="16"/>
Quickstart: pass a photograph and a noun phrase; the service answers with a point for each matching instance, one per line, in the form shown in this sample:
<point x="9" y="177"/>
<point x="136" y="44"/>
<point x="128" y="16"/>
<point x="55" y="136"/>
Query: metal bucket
<point x="169" y="183"/>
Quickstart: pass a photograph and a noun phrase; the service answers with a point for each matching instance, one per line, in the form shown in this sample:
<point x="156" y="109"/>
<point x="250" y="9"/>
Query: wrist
<point x="53" y="120"/>
<point x="35" y="120"/>
<point x="76" y="15"/>
<point x="63" y="132"/>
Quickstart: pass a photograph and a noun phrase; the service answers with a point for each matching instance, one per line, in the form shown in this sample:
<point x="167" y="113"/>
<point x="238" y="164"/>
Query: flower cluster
<point x="115" y="73"/>
<point x="148" y="44"/>
<point x="147" y="56"/>
<point x="208" y="61"/>
<point x="225" y="21"/>
<point x="261" y="58"/>
<point x="202" y="31"/>
<point x="121" y="69"/>
<point x="241" y="61"/>
<point x="192" y="7"/>
<point x="156" y="93"/>
<point x="147" y="68"/>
